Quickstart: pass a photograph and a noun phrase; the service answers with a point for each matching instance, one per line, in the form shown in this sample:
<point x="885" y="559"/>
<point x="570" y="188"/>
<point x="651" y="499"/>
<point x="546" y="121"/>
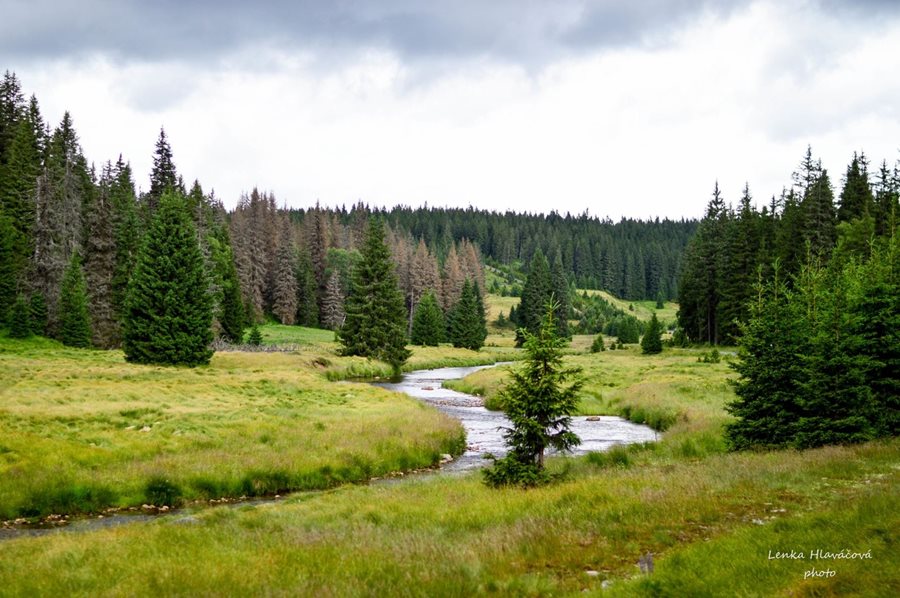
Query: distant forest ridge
<point x="632" y="259"/>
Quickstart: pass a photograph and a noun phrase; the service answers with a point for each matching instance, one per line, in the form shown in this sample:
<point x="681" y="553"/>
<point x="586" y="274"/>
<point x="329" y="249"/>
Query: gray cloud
<point x="521" y="31"/>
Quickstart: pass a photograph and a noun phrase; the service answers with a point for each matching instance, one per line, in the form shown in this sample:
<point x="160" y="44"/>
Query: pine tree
<point x="539" y="403"/>
<point x="8" y="268"/>
<point x="333" y="302"/>
<point x="598" y="345"/>
<point x="284" y="298"/>
<point x="818" y="206"/>
<point x="856" y="196"/>
<point x="375" y="324"/>
<point x="231" y="310"/>
<point x="37" y="311"/>
<point x="466" y="322"/>
<point x="100" y="266"/>
<point x="19" y="319"/>
<point x="651" y="342"/>
<point x="168" y="314"/>
<point x="771" y="378"/>
<point x="163" y="176"/>
<point x="535" y="296"/>
<point x="255" y="336"/>
<point x="428" y="323"/>
<point x="126" y="229"/>
<point x="561" y="297"/>
<point x="307" y="306"/>
<point x="75" y="323"/>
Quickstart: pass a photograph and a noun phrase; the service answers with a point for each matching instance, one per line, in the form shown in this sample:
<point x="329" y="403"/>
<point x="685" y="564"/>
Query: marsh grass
<point x="84" y="430"/>
<point x="452" y="536"/>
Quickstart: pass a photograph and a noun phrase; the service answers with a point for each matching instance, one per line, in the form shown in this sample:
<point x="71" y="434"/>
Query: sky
<point x="624" y="109"/>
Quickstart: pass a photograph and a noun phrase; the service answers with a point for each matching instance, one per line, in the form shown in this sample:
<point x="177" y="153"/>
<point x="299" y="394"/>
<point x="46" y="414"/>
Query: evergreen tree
<point x="255" y="336"/>
<point x="38" y="314"/>
<point x="100" y="266"/>
<point x="19" y="319"/>
<point x="307" y="306"/>
<point x="466" y="322"/>
<point x="8" y="268"/>
<point x="856" y="196"/>
<point x="598" y="345"/>
<point x="561" y="297"/>
<point x="168" y="315"/>
<point x="539" y="403"/>
<point x="163" y="176"/>
<point x="231" y="310"/>
<point x="284" y="299"/>
<point x="75" y="323"/>
<point x="820" y="221"/>
<point x="126" y="230"/>
<point x="375" y="324"/>
<point x="535" y="296"/>
<point x="428" y="323"/>
<point x="771" y="378"/>
<point x="651" y="342"/>
<point x="333" y="302"/>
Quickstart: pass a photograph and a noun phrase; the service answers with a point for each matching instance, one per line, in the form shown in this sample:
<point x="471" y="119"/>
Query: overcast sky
<point x="620" y="108"/>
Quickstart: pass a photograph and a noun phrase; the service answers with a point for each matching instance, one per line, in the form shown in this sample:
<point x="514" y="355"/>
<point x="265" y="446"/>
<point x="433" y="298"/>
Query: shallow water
<point x="484" y="428"/>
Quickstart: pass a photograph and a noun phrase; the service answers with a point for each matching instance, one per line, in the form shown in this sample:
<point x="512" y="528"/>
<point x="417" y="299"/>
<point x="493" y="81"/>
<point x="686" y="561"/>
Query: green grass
<point x="643" y="310"/>
<point x="83" y="430"/>
<point x="450" y="536"/>
<point x="708" y="516"/>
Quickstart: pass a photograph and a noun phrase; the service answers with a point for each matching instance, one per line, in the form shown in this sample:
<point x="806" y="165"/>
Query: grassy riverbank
<point x="709" y="517"/>
<point x="450" y="536"/>
<point x="84" y="430"/>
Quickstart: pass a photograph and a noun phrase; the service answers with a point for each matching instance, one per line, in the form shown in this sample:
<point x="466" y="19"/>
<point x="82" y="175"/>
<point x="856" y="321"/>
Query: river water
<point x="484" y="434"/>
<point x="484" y="428"/>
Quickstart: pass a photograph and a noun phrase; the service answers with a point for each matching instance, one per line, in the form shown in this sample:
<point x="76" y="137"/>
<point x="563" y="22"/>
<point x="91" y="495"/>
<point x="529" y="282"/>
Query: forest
<point x="71" y="226"/>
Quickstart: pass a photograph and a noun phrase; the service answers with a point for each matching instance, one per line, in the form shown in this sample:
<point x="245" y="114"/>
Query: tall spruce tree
<point x="163" y="176"/>
<point x="8" y="270"/>
<point x="856" y="196"/>
<point x="535" y="296"/>
<point x="561" y="297"/>
<point x="307" y="287"/>
<point x="75" y="322"/>
<point x="231" y="309"/>
<point x="168" y="314"/>
<point x="20" y="319"/>
<point x="466" y="322"/>
<point x="428" y="328"/>
<point x="651" y="343"/>
<point x="539" y="402"/>
<point x="375" y="324"/>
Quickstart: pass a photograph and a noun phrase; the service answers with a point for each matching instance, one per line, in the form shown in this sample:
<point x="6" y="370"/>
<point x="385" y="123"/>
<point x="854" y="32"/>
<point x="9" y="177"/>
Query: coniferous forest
<point x="65" y="216"/>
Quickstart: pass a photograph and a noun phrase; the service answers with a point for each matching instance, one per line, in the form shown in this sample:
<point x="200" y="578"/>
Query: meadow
<point x="84" y="431"/>
<point x="710" y="517"/>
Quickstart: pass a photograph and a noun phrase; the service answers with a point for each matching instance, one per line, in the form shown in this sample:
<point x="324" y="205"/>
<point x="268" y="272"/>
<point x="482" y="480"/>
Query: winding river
<point x="484" y="428"/>
<point x="484" y="434"/>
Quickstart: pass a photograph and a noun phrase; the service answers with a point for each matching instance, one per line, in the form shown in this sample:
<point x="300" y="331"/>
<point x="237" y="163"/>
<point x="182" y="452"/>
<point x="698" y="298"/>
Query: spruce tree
<point x="561" y="297"/>
<point x="651" y="343"/>
<point x="428" y="322"/>
<point x="231" y="310"/>
<point x="255" y="336"/>
<point x="168" y="313"/>
<point x="163" y="176"/>
<point x="375" y="323"/>
<point x="535" y="296"/>
<point x="7" y="267"/>
<point x="856" y="196"/>
<point x="307" y="287"/>
<point x="333" y="303"/>
<point x="37" y="311"/>
<point x="74" y="320"/>
<point x="467" y="328"/>
<point x="20" y="319"/>
<point x="539" y="403"/>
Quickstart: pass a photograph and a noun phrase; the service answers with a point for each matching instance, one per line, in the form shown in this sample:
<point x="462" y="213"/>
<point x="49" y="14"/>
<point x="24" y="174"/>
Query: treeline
<point x="633" y="259"/>
<point x="809" y="288"/>
<point x="805" y="224"/>
<point x="70" y="234"/>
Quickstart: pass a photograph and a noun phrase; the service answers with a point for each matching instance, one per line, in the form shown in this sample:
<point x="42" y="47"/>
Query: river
<point x="484" y="434"/>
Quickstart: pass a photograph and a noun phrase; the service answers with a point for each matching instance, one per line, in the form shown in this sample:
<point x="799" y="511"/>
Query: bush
<point x="161" y="492"/>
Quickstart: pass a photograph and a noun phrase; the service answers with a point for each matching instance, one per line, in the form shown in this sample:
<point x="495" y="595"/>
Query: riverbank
<point x="83" y="431"/>
<point x="439" y="536"/>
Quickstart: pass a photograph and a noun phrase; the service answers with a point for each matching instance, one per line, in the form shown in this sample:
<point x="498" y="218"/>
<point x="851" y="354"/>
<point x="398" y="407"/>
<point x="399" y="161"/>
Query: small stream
<point x="484" y="428"/>
<point x="484" y="434"/>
